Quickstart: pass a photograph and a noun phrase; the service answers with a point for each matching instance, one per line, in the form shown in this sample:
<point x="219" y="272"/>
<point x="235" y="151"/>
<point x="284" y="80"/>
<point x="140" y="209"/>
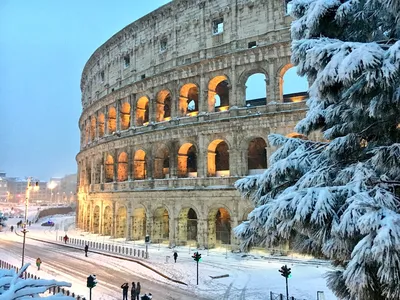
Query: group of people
<point x="135" y="292"/>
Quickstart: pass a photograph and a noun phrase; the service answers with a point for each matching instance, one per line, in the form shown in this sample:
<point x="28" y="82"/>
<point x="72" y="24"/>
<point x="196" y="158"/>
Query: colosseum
<point x="168" y="125"/>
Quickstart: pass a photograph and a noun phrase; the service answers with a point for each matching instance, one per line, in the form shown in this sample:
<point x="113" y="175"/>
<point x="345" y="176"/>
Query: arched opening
<point x="257" y="156"/>
<point x="121" y="223"/>
<point x="161" y="163"/>
<point x="139" y="224"/>
<point x="125" y="115"/>
<point x="189" y="100"/>
<point x="256" y="90"/>
<point x="112" y="120"/>
<point x="293" y="87"/>
<point x="139" y="165"/>
<point x="96" y="220"/>
<point x="101" y="124"/>
<point x="218" y="94"/>
<point x="93" y="128"/>
<point x="163" y="106"/>
<point x="109" y="168"/>
<point x="142" y="111"/>
<point x="218" y="159"/>
<point x="187" y="161"/>
<point x="107" y="221"/>
<point x="97" y="173"/>
<point x="219" y="227"/>
<point x="87" y="223"/>
<point x="161" y="225"/>
<point x="123" y="167"/>
<point x="187" y="227"/>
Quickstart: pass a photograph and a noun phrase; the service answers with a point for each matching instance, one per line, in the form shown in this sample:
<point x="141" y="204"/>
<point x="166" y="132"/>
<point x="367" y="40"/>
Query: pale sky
<point x="44" y="45"/>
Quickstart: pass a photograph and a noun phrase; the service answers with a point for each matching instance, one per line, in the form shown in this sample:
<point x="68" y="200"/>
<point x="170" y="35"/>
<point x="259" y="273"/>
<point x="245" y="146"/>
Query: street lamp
<point x="29" y="187"/>
<point x="51" y="185"/>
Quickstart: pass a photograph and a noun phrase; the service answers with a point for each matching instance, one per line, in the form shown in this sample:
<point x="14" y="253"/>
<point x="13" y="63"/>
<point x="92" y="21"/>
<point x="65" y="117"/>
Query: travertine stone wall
<point x="151" y="164"/>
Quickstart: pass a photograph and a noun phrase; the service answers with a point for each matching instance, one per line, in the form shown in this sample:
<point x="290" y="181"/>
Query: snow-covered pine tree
<point x="340" y="198"/>
<point x="13" y="287"/>
<point x="3" y="220"/>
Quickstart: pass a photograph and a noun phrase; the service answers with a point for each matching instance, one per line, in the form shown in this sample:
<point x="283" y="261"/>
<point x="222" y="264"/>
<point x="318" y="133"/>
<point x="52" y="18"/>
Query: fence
<point x="54" y="290"/>
<point x="118" y="249"/>
<point x="273" y="296"/>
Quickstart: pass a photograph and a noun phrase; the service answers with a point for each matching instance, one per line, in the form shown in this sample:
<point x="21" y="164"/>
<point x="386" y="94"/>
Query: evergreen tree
<point x="339" y="198"/>
<point x="3" y="220"/>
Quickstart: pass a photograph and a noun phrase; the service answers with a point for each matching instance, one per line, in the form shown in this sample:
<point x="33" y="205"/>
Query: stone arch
<point x="164" y="100"/>
<point x="218" y="159"/>
<point x="139" y="227"/>
<point x="218" y="93"/>
<point x="161" y="162"/>
<point x="87" y="223"/>
<point x="107" y="221"/>
<point x="255" y="87"/>
<point x="96" y="219"/>
<point x="187" y="161"/>
<point x="187" y="226"/>
<point x="288" y="92"/>
<point x="112" y="120"/>
<point x="257" y="156"/>
<point x="123" y="167"/>
<point x="142" y="111"/>
<point x="139" y="165"/>
<point x="121" y="221"/>
<point x="101" y="125"/>
<point x="93" y="128"/>
<point x="125" y="116"/>
<point x="161" y="224"/>
<point x="219" y="227"/>
<point x="297" y="136"/>
<point x="109" y="176"/>
<point x="189" y="99"/>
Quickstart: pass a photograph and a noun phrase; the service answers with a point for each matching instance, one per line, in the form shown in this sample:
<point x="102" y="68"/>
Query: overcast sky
<point x="44" y="45"/>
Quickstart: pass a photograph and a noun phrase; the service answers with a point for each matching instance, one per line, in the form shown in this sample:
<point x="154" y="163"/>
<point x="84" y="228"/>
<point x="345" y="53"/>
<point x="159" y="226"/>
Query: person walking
<point x="86" y="250"/>
<point x="125" y="288"/>
<point x="38" y="263"/>
<point x="12" y="228"/>
<point x="133" y="291"/>
<point x="66" y="238"/>
<point x="175" y="256"/>
<point x="138" y="290"/>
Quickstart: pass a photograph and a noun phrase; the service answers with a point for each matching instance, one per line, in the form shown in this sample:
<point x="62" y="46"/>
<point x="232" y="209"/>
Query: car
<point x="48" y="223"/>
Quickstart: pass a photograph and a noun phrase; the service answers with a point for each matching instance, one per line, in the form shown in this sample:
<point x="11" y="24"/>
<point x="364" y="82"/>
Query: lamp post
<point x="24" y="231"/>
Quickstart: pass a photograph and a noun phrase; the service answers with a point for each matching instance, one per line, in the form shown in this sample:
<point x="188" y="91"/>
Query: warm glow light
<point x="145" y="124"/>
<point x="222" y="108"/>
<point x="193" y="114"/>
<point x="51" y="185"/>
<point x="167" y="119"/>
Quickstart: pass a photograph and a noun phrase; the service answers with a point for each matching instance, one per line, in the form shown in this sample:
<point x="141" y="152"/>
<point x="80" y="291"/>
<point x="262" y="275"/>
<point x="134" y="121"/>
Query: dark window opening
<point x="218" y="26"/>
<point x="127" y="61"/>
<point x="167" y="106"/>
<point x="193" y="97"/>
<point x="252" y="45"/>
<point x="192" y="160"/>
<point x="102" y="76"/>
<point x="163" y="45"/>
<point x="143" y="76"/>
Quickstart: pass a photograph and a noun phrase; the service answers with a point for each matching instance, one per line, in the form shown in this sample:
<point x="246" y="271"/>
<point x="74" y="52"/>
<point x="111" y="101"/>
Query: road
<point x="72" y="266"/>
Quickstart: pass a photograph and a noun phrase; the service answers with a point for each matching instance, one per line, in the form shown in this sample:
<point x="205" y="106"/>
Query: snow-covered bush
<point x="13" y="287"/>
<point x="339" y="199"/>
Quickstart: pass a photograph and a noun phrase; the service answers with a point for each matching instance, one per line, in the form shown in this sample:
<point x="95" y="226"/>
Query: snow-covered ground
<point x="251" y="276"/>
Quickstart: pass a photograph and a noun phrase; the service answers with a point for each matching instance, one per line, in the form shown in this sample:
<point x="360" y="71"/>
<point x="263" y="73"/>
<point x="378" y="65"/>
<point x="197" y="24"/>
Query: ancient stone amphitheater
<point x="166" y="127"/>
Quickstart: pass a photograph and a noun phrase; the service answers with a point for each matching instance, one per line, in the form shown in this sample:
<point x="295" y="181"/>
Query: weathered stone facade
<point x="166" y="129"/>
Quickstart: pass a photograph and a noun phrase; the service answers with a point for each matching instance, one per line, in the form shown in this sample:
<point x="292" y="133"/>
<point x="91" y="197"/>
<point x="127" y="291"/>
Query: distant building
<point x="3" y="188"/>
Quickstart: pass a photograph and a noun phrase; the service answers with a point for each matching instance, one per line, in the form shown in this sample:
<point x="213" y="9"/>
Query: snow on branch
<point x="13" y="287"/>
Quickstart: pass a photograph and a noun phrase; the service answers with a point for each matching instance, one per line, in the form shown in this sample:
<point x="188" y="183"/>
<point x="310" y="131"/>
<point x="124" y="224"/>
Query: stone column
<point x="182" y="165"/>
<point x="152" y="109"/>
<point x="234" y="99"/>
<point x="106" y="131"/>
<point x="149" y="166"/>
<point x="173" y="159"/>
<point x="130" y="164"/>
<point x="149" y="224"/>
<point x="129" y="215"/>
<point x="171" y="229"/>
<point x="203" y="99"/>
<point x="114" y="225"/>
<point x="101" y="212"/>
<point x="115" y="175"/>
<point x="158" y="168"/>
<point x="118" y="116"/>
<point x="133" y="109"/>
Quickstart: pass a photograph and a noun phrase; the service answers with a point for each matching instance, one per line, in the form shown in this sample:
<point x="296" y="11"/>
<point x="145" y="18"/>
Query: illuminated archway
<point x="125" y="115"/>
<point x="189" y="100"/>
<point x="139" y="165"/>
<point x="257" y="156"/>
<point x="161" y="225"/>
<point x="96" y="219"/>
<point x="218" y="159"/>
<point x="163" y="106"/>
<point x="120" y="231"/>
<point x="187" y="161"/>
<point x="219" y="227"/>
<point x="123" y="167"/>
<point x="139" y="224"/>
<point x="142" y="111"/>
<point x="101" y="124"/>
<point x="112" y="120"/>
<point x="107" y="221"/>
<point x="218" y="94"/>
<point x="93" y="128"/>
<point x="109" y="168"/>
<point x="293" y="88"/>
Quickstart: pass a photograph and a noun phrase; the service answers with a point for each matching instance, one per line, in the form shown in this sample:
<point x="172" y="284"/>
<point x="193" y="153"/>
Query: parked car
<point x="48" y="223"/>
